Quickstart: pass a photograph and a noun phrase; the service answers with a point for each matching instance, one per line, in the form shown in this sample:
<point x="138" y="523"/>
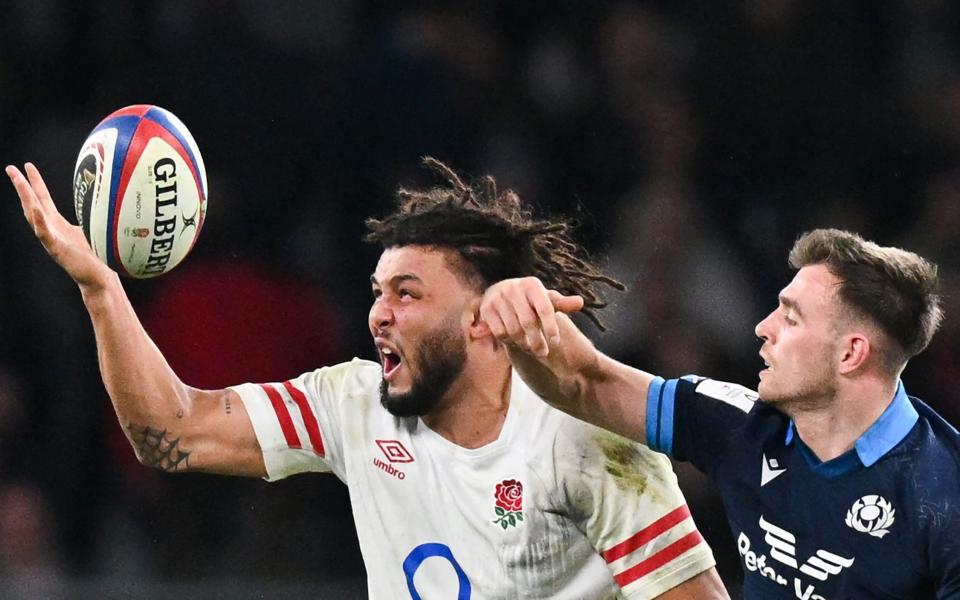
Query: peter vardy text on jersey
<point x="783" y="550"/>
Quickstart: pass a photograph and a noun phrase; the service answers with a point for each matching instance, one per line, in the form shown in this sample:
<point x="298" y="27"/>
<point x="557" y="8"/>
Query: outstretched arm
<point x="559" y="362"/>
<point x="563" y="367"/>
<point x="170" y="425"/>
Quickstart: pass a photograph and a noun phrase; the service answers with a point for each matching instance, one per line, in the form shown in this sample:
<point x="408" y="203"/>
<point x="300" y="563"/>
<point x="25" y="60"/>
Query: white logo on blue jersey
<point x="871" y="514"/>
<point x="731" y="393"/>
<point x="771" y="470"/>
<point x="783" y="549"/>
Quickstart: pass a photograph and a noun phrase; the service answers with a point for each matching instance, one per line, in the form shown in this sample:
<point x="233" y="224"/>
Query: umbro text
<point x="389" y="469"/>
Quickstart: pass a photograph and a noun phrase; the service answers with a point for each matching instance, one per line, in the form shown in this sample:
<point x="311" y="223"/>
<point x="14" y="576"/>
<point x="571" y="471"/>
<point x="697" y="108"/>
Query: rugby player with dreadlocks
<point x="464" y="484"/>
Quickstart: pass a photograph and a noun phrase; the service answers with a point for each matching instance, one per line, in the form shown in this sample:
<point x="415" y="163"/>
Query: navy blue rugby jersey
<point x="880" y="521"/>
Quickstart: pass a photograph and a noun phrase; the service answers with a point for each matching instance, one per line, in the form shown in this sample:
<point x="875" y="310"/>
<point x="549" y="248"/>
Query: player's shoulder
<point x="937" y="440"/>
<point x="363" y="368"/>
<point x="932" y="449"/>
<point x="357" y="377"/>
<point x="551" y="427"/>
<point x="571" y="443"/>
<point x="356" y="370"/>
<point x="716" y="414"/>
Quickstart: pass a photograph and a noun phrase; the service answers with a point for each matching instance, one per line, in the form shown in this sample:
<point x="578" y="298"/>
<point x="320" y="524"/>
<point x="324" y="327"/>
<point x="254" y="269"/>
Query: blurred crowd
<point x="693" y="142"/>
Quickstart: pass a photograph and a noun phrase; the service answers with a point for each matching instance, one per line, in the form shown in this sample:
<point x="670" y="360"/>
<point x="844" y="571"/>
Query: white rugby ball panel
<point x="158" y="214"/>
<point x="140" y="190"/>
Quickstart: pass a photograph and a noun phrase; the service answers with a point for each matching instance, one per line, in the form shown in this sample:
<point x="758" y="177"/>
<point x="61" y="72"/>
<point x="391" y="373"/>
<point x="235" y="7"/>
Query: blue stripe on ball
<point x="159" y="115"/>
<point x="126" y="127"/>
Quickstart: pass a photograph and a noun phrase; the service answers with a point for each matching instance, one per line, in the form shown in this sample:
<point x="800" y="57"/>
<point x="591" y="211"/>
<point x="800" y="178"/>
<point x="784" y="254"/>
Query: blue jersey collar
<point x="885" y="433"/>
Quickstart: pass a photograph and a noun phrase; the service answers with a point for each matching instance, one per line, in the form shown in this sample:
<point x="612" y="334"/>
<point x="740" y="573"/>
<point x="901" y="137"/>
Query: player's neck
<point x="475" y="407"/>
<point x="834" y="427"/>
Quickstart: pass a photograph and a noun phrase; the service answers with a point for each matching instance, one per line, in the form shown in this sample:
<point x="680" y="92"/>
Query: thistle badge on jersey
<point x="871" y="514"/>
<point x="509" y="503"/>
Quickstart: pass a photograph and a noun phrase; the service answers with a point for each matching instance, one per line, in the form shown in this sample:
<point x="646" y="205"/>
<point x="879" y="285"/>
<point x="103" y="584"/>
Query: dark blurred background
<point x="692" y="140"/>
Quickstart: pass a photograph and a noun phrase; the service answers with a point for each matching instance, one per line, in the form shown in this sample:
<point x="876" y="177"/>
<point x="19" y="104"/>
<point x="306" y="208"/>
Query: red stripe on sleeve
<point x="283" y="415"/>
<point x="309" y="419"/>
<point x="647" y="533"/>
<point x="659" y="559"/>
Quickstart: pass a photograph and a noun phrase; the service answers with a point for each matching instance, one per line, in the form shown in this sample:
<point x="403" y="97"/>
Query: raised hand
<point x="64" y="242"/>
<point x="522" y="313"/>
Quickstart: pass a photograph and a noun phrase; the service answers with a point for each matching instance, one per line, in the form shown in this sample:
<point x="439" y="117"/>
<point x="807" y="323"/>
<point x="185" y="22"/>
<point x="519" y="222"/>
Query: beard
<point x="439" y="361"/>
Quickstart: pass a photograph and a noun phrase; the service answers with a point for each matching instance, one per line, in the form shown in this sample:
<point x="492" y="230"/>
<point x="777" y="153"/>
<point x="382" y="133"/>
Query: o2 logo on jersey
<point x="422" y="553"/>
<point x="871" y="514"/>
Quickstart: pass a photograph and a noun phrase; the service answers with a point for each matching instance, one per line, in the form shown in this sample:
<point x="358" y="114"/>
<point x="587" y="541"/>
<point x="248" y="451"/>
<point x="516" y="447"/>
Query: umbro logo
<point x="771" y="470"/>
<point x="395" y="452"/>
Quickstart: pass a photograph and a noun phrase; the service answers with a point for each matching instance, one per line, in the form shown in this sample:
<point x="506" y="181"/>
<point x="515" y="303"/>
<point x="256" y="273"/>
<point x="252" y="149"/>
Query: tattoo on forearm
<point x="156" y="449"/>
<point x="226" y="403"/>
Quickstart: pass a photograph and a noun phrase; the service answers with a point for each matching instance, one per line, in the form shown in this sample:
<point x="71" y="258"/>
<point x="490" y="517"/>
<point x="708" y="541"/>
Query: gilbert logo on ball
<point x="140" y="190"/>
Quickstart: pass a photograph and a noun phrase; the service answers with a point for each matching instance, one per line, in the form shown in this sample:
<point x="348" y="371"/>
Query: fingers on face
<point x="491" y="316"/>
<point x="514" y="319"/>
<point x="532" y="332"/>
<point x="545" y="313"/>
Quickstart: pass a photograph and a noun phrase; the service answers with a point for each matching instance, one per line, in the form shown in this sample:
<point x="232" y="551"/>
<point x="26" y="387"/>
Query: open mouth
<point x="391" y="362"/>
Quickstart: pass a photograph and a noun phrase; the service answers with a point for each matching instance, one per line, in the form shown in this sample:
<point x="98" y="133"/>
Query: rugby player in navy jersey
<point x="836" y="483"/>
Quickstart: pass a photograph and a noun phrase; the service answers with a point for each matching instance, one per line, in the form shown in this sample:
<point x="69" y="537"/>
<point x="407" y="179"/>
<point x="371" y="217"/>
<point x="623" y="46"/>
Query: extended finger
<point x="28" y="199"/>
<point x="516" y="301"/>
<point x="512" y="330"/>
<point x="532" y="328"/>
<point x="565" y="304"/>
<point x="491" y="316"/>
<point x="515" y="331"/>
<point x="39" y="187"/>
<point x="33" y="210"/>
<point x="546" y="315"/>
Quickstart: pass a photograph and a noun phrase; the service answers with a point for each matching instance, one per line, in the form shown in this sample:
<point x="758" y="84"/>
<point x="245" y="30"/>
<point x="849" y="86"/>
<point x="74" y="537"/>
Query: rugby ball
<point x="140" y="191"/>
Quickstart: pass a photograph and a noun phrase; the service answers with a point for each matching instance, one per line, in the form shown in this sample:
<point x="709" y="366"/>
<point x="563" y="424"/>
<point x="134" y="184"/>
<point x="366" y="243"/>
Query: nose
<point x="763" y="330"/>
<point x="380" y="317"/>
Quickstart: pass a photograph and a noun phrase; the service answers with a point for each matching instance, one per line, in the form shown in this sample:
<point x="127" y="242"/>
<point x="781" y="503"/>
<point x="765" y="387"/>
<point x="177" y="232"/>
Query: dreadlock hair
<point x="494" y="235"/>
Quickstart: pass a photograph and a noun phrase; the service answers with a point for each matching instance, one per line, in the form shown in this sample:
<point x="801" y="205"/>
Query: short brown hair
<point x="893" y="288"/>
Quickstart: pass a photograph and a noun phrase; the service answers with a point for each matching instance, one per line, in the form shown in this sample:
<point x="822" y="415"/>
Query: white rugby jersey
<point x="554" y="508"/>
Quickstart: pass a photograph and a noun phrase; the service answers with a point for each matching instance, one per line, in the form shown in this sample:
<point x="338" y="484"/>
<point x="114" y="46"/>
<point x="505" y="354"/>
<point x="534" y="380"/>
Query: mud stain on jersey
<point x="628" y="463"/>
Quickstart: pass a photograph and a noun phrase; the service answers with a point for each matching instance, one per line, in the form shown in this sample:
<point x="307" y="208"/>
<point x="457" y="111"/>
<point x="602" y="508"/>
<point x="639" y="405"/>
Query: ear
<point x="855" y="352"/>
<point x="478" y="328"/>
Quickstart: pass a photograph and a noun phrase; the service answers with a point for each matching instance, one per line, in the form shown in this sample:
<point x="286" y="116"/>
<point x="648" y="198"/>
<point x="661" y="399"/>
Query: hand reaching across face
<point x="522" y="313"/>
<point x="64" y="242"/>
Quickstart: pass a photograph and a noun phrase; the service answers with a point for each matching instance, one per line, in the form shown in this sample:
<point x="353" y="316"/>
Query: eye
<point x="406" y="293"/>
<point x="789" y="321"/>
<point x="377" y="292"/>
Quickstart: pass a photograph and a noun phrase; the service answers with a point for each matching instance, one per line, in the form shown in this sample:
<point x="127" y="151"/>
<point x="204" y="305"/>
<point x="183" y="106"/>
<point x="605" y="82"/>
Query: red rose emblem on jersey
<point x="509" y="495"/>
<point x="509" y="503"/>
